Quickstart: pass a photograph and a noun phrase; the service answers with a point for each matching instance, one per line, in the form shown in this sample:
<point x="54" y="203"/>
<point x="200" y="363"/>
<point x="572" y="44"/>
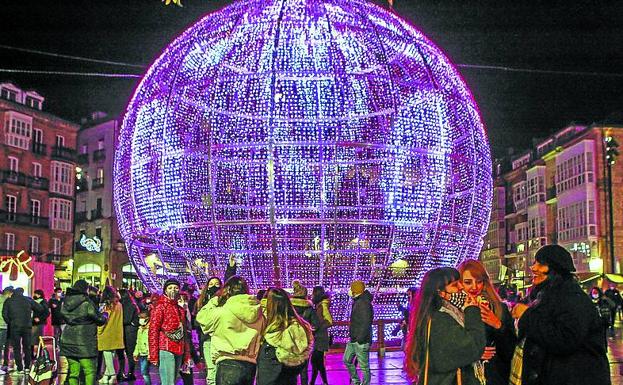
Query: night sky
<point x="568" y="36"/>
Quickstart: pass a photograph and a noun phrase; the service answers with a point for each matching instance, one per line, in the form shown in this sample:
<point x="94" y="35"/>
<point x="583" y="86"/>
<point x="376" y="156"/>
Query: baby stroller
<point x="44" y="367"/>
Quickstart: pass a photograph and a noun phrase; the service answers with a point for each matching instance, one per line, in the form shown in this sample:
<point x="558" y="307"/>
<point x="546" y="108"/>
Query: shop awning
<point x="615" y="278"/>
<point x="584" y="277"/>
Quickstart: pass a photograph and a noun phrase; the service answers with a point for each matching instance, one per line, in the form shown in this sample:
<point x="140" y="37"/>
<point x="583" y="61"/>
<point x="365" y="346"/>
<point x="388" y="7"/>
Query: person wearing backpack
<point x="305" y="309"/>
<point x="288" y="342"/>
<point x="605" y="307"/>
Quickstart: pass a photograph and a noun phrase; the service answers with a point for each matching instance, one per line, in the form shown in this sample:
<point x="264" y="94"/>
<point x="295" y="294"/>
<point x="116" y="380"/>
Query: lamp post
<point x="611" y="153"/>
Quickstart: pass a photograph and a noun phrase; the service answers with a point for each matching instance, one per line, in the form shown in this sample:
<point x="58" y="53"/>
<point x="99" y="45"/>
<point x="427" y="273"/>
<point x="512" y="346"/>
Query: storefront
<point x="130" y="278"/>
<point x="90" y="272"/>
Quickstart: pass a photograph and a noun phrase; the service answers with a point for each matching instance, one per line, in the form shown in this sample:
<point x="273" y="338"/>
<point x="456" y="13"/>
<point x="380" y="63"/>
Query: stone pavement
<point x="385" y="371"/>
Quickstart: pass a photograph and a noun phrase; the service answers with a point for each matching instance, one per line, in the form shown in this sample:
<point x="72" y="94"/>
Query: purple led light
<point x="324" y="141"/>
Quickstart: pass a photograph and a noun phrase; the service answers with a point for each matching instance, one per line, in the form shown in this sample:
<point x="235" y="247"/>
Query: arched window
<point x="89" y="268"/>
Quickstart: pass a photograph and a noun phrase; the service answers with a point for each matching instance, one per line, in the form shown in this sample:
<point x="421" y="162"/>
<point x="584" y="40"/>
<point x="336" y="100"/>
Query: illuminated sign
<point x="93" y="245"/>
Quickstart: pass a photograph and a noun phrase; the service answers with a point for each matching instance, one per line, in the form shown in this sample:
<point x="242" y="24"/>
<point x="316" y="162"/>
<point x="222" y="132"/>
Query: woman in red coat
<point x="167" y="342"/>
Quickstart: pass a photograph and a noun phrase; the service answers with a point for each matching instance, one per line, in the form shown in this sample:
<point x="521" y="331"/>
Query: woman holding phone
<point x="500" y="331"/>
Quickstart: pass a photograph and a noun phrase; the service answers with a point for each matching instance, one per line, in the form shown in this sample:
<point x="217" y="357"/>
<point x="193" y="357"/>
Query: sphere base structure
<point x="318" y="140"/>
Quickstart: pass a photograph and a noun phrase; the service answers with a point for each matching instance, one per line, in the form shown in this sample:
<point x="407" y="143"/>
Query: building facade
<point x="99" y="255"/>
<point x="556" y="193"/>
<point x="37" y="166"/>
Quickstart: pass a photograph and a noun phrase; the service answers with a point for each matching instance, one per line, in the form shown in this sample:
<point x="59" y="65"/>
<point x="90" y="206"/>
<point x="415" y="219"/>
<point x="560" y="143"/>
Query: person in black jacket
<point x="305" y="309"/>
<point x="17" y="314"/>
<point x="130" y="331"/>
<point x="39" y="318"/>
<point x="360" y="333"/>
<point x="560" y="330"/>
<point x="55" y="310"/>
<point x="79" y="339"/>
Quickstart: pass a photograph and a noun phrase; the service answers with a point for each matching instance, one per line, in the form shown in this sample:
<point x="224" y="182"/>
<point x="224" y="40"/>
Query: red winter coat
<point x="166" y="316"/>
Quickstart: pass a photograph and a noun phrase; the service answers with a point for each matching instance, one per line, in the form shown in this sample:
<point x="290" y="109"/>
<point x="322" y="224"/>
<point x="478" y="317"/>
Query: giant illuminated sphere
<point x="319" y="140"/>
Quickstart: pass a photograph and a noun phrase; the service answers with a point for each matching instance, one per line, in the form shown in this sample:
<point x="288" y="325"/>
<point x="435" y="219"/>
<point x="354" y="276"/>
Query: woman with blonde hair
<point x="499" y="326"/>
<point x="288" y="342"/>
<point x="446" y="335"/>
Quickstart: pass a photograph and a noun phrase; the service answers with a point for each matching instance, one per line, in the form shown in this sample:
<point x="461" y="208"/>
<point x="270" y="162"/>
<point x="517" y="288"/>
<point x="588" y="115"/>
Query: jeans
<point x="3" y="340"/>
<point x="362" y="353"/>
<point x="210" y="365"/>
<point x="57" y="332"/>
<point x="234" y="372"/>
<point x="129" y="338"/>
<point x="87" y="365"/>
<point x="143" y="363"/>
<point x="109" y="364"/>
<point x="272" y="372"/>
<point x="168" y="367"/>
<point x="21" y="341"/>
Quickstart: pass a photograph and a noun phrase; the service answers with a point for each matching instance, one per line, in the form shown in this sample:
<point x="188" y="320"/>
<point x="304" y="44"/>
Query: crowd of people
<point x="458" y="329"/>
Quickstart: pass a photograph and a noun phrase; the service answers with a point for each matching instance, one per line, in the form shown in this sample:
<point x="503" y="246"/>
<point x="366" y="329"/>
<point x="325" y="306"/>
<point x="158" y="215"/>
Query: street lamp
<point x="611" y="153"/>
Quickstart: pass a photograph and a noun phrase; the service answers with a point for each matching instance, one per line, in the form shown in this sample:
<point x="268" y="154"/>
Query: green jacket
<point x="142" y="342"/>
<point x="453" y="346"/>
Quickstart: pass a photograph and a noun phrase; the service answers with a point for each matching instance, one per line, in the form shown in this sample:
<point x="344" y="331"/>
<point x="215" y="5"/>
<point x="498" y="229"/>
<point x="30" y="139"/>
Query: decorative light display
<point x="93" y="245"/>
<point x="318" y="140"/>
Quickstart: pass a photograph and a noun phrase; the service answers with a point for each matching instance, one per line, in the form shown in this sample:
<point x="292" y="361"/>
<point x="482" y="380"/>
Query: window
<point x="60" y="141"/>
<point x="33" y="244"/>
<point x="37" y="136"/>
<point x="574" y="172"/>
<point x="89" y="268"/>
<point x="100" y="144"/>
<point x="576" y="220"/>
<point x="9" y="241"/>
<point x="56" y="246"/>
<point x="17" y="128"/>
<point x="8" y="94"/>
<point x="10" y="202"/>
<point x="35" y="208"/>
<point x="98" y="232"/>
<point x="84" y="149"/>
<point x="100" y="174"/>
<point x="13" y="164"/>
<point x="36" y="169"/>
<point x="62" y="178"/>
<point x="60" y="214"/>
<point x="33" y="103"/>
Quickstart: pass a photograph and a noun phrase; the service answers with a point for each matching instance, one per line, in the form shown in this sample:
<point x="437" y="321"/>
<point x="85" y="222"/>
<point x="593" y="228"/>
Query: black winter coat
<point x="564" y="338"/>
<point x="41" y="313"/>
<point x="17" y="311"/>
<point x="305" y="309"/>
<point x="79" y="339"/>
<point x="55" y="310"/>
<point x="361" y="316"/>
<point x="497" y="370"/>
<point x="130" y="313"/>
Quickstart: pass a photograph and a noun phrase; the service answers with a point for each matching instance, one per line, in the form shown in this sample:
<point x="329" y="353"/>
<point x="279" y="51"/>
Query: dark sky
<point x="575" y="36"/>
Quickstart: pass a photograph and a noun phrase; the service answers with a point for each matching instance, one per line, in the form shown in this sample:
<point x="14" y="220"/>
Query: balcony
<point x="37" y="183"/>
<point x="99" y="155"/>
<point x="56" y="258"/>
<point x="81" y="216"/>
<point x="9" y="253"/>
<point x="64" y="153"/>
<point x="38" y="148"/>
<point x="97" y="183"/>
<point x="23" y="219"/>
<point x="82" y="159"/>
<point x="96" y="214"/>
<point x="13" y="177"/>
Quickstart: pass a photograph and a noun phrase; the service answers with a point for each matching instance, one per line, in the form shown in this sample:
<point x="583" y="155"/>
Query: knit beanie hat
<point x="556" y="257"/>
<point x="81" y="286"/>
<point x="299" y="290"/>
<point x="169" y="282"/>
<point x="357" y="287"/>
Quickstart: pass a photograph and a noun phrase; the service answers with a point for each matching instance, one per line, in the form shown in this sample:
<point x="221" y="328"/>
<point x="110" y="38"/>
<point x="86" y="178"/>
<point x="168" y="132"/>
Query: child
<point x="141" y="351"/>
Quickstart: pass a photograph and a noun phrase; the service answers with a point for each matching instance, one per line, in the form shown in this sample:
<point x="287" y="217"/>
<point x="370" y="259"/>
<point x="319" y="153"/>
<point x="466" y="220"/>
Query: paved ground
<point x="387" y="370"/>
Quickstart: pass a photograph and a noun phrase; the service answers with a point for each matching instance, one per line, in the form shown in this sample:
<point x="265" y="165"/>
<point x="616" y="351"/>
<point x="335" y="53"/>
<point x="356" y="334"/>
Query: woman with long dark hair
<point x="446" y="335"/>
<point x="322" y="304"/>
<point x="288" y="342"/>
<point x="499" y="326"/>
<point x="110" y="335"/>
<point x="208" y="292"/>
<point x="561" y="335"/>
<point x="235" y="321"/>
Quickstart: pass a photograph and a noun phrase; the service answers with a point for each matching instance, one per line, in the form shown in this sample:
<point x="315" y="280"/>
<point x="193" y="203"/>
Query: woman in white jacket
<point x="288" y="342"/>
<point x="235" y="321"/>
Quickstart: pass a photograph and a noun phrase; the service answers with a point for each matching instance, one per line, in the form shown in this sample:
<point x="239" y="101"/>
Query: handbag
<point x="42" y="369"/>
<point x="459" y="379"/>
